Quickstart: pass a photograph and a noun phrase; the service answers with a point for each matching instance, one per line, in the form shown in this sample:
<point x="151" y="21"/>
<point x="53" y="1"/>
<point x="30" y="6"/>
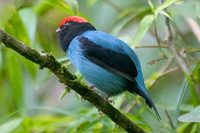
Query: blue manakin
<point x="104" y="60"/>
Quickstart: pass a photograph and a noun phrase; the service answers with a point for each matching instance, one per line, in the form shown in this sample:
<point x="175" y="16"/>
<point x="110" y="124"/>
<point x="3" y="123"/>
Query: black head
<point x="71" y="27"/>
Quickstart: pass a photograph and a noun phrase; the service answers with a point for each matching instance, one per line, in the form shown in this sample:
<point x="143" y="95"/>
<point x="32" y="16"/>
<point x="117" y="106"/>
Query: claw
<point x="107" y="99"/>
<point x="100" y="113"/>
<point x="92" y="87"/>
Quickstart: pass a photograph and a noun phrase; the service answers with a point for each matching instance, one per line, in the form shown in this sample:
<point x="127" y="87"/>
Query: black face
<point x="70" y="30"/>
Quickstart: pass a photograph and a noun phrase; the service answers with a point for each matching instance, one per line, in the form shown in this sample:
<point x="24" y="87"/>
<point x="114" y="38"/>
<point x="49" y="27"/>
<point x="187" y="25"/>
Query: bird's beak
<point x="58" y="30"/>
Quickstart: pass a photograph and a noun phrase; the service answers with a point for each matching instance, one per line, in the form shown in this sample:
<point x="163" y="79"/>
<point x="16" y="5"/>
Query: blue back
<point x="109" y="41"/>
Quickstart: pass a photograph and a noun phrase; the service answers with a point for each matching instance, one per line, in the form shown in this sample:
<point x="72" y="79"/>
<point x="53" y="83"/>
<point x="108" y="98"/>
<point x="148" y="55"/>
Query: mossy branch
<point x="45" y="60"/>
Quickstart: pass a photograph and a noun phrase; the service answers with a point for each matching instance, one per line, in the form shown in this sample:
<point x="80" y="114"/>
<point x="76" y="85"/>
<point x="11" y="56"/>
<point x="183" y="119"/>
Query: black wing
<point x="115" y="62"/>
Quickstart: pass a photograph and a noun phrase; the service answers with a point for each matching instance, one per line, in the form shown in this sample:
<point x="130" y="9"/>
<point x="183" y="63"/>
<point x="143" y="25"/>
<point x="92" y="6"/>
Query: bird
<point x="105" y="61"/>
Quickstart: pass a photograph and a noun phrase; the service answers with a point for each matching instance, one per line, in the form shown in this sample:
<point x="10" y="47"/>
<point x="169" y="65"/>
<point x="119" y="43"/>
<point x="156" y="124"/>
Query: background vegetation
<point x="31" y="99"/>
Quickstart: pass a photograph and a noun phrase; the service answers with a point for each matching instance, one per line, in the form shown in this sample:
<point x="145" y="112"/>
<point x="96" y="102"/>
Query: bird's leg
<point x="100" y="113"/>
<point x="92" y="87"/>
<point x="107" y="99"/>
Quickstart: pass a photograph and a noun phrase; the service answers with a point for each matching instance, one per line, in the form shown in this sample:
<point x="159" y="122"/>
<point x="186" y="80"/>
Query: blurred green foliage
<point x="30" y="96"/>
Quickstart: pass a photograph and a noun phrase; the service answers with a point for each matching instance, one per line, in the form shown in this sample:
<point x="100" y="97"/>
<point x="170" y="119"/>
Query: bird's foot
<point x="108" y="100"/>
<point x="100" y="113"/>
<point x="92" y="87"/>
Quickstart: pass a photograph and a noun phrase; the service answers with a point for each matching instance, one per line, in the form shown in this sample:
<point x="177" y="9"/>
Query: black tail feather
<point x="150" y="103"/>
<point x="131" y="88"/>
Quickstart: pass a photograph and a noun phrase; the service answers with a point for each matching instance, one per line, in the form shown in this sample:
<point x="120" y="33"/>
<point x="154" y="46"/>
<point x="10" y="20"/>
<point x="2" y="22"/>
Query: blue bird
<point x="104" y="60"/>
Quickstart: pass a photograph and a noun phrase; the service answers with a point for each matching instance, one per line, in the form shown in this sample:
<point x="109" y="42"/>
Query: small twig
<point x="178" y="57"/>
<point x="130" y="106"/>
<point x="154" y="61"/>
<point x="180" y="34"/>
<point x="169" y="42"/>
<point x="170" y="120"/>
<point x="158" y="39"/>
<point x="173" y="49"/>
<point x="162" y="72"/>
<point x="156" y="33"/>
<point x="152" y="46"/>
<point x="193" y="50"/>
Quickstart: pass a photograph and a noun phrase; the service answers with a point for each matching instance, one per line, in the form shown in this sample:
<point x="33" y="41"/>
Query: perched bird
<point x="104" y="60"/>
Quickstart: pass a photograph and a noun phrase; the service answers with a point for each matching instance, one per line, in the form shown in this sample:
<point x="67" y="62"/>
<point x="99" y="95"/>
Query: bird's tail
<point x="145" y="95"/>
<point x="150" y="103"/>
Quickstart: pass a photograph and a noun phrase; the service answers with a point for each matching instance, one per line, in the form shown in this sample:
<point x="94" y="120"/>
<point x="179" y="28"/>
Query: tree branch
<point x="48" y="61"/>
<point x="176" y="54"/>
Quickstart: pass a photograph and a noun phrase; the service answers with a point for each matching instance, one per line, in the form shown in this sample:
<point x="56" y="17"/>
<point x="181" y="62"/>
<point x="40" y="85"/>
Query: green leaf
<point x="194" y="83"/>
<point x="29" y="20"/>
<point x="125" y="21"/>
<point x="46" y="5"/>
<point x="150" y="4"/>
<point x="166" y="14"/>
<point x="91" y="3"/>
<point x="6" y="12"/>
<point x="188" y="128"/>
<point x="192" y="86"/>
<point x="30" y="26"/>
<point x="15" y="77"/>
<point x="180" y="101"/>
<point x="1" y="59"/>
<point x="16" y="28"/>
<point x="10" y="126"/>
<point x="20" y="28"/>
<point x="166" y="4"/>
<point x="192" y="116"/>
<point x="84" y="126"/>
<point x="121" y="24"/>
<point x="196" y="73"/>
<point x="74" y="5"/>
<point x="31" y="67"/>
<point x="143" y="28"/>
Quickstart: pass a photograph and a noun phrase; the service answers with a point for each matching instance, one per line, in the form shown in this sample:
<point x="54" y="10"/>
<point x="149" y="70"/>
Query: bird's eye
<point x="66" y="24"/>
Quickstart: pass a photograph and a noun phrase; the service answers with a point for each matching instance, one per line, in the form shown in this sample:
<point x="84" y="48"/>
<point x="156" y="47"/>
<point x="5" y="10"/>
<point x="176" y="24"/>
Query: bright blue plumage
<point x="104" y="80"/>
<point x="105" y="61"/>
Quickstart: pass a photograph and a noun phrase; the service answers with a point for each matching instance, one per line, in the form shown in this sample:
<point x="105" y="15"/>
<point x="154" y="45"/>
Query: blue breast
<point x="102" y="79"/>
